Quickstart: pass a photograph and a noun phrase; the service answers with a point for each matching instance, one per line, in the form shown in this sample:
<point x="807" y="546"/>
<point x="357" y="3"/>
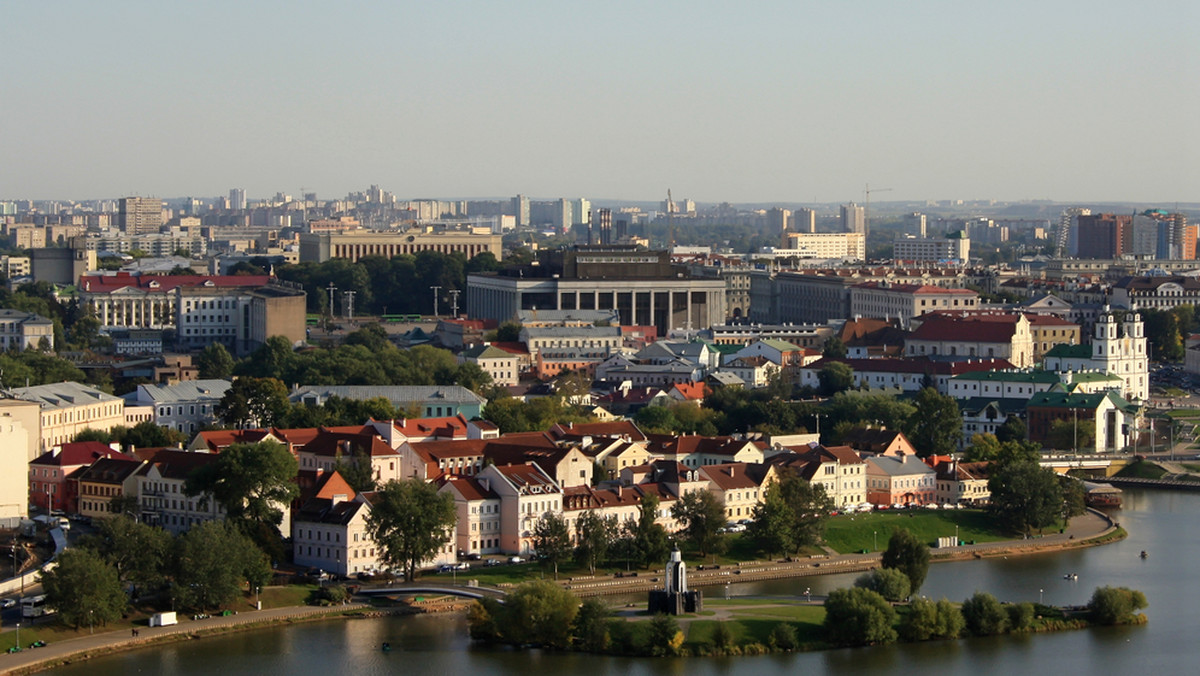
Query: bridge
<point x="1063" y="462"/>
<point x="465" y="592"/>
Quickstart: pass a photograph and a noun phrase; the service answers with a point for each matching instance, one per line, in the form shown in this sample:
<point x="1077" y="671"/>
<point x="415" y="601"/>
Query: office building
<point x="139" y="215"/>
<point x="804" y="220"/>
<point x="954" y="249"/>
<point x="854" y="218"/>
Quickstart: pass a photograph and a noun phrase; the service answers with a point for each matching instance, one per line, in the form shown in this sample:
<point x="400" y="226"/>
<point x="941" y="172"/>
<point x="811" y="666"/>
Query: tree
<point x="928" y="620"/>
<point x="1013" y="429"/>
<point x="834" y="348"/>
<point x="858" y="616"/>
<point x="835" y="377"/>
<point x="1115" y="605"/>
<point x="936" y="426"/>
<point x="703" y="519"/>
<point x="253" y="482"/>
<point x="137" y="551"/>
<point x="509" y="332"/>
<point x="908" y="555"/>
<point x="984" y="616"/>
<point x="410" y="521"/>
<point x="1020" y="616"/>
<point x="792" y="514"/>
<point x="663" y="636"/>
<point x="1025" y="496"/>
<point x="783" y="637"/>
<point x="552" y="541"/>
<point x="1074" y="435"/>
<point x="983" y="447"/>
<point x="84" y="589"/>
<point x="1074" y="502"/>
<point x="214" y="361"/>
<point x="594" y="535"/>
<point x="147" y="434"/>
<point x="213" y="560"/>
<point x="254" y="402"/>
<point x="889" y="583"/>
<point x="539" y="612"/>
<point x="356" y="470"/>
<point x="591" y="626"/>
<point x="650" y="542"/>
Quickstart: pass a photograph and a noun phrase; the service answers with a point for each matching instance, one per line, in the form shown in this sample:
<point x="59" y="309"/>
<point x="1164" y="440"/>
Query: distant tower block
<point x="674" y="598"/>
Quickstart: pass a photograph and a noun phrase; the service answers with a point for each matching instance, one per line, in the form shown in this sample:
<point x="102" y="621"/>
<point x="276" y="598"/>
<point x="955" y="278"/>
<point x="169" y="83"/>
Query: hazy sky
<point x="759" y="101"/>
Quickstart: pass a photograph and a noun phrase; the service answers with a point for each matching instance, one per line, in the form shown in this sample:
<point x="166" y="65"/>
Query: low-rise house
<point x="186" y="406"/>
<point x="478" y="508"/>
<point x="68" y="408"/>
<point x="526" y="495"/>
<point x="839" y="470"/>
<point x="432" y="401"/>
<point x="104" y="481"/>
<point x="25" y="331"/>
<point x="697" y="451"/>
<point x="987" y="335"/>
<point x="900" y="480"/>
<point x="738" y="486"/>
<point x="961" y="483"/>
<point x="160" y="490"/>
<point x="500" y="364"/>
<point x="982" y="415"/>
<point x="905" y="375"/>
<point x="48" y="485"/>
<point x="754" y="371"/>
<point x="878" y="441"/>
<point x="1115" y="419"/>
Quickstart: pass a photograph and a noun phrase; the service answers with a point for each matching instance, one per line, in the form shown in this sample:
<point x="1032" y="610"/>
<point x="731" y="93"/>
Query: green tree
<point x="539" y="612"/>
<point x="703" y="518"/>
<point x="1072" y="435"/>
<point x="783" y="637"/>
<point x="834" y="348"/>
<point x="552" y="541"/>
<point x="1025" y="496"/>
<point x="890" y="583"/>
<point x="984" y="616"/>
<point x="722" y="636"/>
<point x="835" y="377"/>
<point x="253" y="482"/>
<point x="936" y="425"/>
<point x="410" y="521"/>
<point x="771" y="525"/>
<point x="215" y="362"/>
<point x="1074" y="503"/>
<point x="656" y="420"/>
<point x="908" y="555"/>
<point x="1020" y="616"/>
<point x="356" y="470"/>
<point x="858" y="616"/>
<point x="663" y="636"/>
<point x="137" y="551"/>
<point x="1013" y="429"/>
<point x="213" y="560"/>
<point x="147" y="434"/>
<point x="254" y="402"/>
<point x="927" y="620"/>
<point x="803" y="521"/>
<point x="594" y="535"/>
<point x="83" y="589"/>
<point x="650" y="540"/>
<point x="1115" y="605"/>
<point x="509" y="332"/>
<point x="983" y="447"/>
<point x="591" y="626"/>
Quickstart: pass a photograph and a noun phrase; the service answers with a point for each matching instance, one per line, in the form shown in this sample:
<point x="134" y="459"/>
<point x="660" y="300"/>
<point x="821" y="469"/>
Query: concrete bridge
<point x="465" y="592"/>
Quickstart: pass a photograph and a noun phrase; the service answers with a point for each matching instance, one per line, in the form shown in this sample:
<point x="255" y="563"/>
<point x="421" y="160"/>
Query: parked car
<point x="516" y="559"/>
<point x="491" y="562"/>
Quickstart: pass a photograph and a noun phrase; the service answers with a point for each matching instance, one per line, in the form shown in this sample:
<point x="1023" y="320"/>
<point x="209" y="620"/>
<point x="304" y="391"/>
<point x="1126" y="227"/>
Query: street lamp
<point x="257" y="603"/>
<point x="1041" y="595"/>
<point x="874" y="541"/>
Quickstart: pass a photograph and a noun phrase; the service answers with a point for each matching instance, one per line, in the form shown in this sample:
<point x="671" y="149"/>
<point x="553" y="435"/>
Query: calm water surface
<point x="1162" y="523"/>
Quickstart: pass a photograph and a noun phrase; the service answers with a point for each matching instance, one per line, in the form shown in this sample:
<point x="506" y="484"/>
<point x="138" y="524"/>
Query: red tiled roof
<point x="918" y="365"/>
<point x="974" y="329"/>
<point x="78" y="453"/>
<point x="600" y="429"/>
<point x="916" y="289"/>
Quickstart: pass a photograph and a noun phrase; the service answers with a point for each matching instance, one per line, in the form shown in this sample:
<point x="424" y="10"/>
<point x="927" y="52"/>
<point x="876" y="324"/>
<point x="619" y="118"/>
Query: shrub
<point x="1115" y="605"/>
<point x="858" y="616"/>
<point x="783" y="637"/>
<point x="1020" y="616"/>
<point x="890" y="583"/>
<point x="663" y="636"/>
<point x="984" y="615"/>
<point x="908" y="555"/>
<point x="722" y="637"/>
<point x="950" y="620"/>
<point x="920" y="624"/>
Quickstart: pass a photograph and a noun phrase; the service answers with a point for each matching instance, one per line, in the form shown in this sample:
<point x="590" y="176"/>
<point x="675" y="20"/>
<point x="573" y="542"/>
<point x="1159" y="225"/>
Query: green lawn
<point x="1191" y="467"/>
<point x="849" y="533"/>
<point x="1142" y="470"/>
<point x="755" y="625"/>
<point x="1184" y="413"/>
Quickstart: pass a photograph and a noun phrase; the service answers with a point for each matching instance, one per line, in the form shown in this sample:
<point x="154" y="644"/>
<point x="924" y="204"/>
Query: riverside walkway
<point x="1089" y="527"/>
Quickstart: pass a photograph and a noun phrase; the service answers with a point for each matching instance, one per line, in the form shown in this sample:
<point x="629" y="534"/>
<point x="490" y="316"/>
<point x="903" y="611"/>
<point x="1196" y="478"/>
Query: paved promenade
<point x="1089" y="526"/>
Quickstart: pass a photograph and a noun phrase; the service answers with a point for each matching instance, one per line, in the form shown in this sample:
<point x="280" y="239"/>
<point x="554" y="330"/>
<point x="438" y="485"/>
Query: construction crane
<point x="867" y="209"/>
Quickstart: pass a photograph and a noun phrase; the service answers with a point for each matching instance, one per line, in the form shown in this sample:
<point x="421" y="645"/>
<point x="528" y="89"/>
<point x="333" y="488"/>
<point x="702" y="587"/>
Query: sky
<point x="717" y="101"/>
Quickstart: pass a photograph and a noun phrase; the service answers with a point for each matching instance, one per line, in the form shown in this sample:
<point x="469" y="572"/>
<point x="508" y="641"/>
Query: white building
<point x="1119" y="349"/>
<point x="946" y="250"/>
<point x="186" y="406"/>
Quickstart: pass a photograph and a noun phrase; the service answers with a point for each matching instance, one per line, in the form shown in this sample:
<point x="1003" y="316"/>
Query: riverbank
<point x="1089" y="530"/>
<point x="1092" y="529"/>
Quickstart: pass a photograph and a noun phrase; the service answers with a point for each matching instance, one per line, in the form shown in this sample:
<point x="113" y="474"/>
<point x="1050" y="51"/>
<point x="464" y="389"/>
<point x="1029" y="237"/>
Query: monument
<point x="674" y="598"/>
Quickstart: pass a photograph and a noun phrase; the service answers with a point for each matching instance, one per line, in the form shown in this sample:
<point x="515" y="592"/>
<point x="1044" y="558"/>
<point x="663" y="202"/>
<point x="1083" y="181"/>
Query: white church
<point x="1119" y="349"/>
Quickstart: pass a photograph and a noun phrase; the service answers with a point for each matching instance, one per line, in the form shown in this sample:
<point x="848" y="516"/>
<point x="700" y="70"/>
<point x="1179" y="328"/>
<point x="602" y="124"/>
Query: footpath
<point x="84" y="647"/>
<point x="1083" y="531"/>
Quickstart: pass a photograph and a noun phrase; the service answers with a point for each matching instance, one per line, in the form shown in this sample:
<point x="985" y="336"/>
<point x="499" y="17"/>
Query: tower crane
<point x="867" y="209"/>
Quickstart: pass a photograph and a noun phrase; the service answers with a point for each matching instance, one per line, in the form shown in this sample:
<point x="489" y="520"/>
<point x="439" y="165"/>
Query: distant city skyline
<point x="773" y="102"/>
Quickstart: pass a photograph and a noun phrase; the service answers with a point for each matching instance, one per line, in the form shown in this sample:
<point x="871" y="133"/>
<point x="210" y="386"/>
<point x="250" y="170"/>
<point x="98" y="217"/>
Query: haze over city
<point x="775" y="101"/>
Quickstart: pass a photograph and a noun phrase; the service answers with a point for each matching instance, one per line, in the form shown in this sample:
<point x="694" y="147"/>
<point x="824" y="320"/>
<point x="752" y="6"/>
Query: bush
<point x="1020" y="616"/>
<point x="591" y="626"/>
<point x="663" y="636"/>
<point x="984" y="615"/>
<point x="331" y="595"/>
<point x="950" y="620"/>
<point x="783" y="637"/>
<point x="890" y="583"/>
<point x="908" y="555"/>
<point x="858" y="616"/>
<point x="1115" y="605"/>
<point x="722" y="637"/>
<point x="920" y="624"/>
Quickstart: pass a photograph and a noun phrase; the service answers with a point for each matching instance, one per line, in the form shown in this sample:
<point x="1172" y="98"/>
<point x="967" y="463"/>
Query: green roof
<point x="1070" y="351"/>
<point x="1010" y="376"/>
<point x="1075" y="400"/>
<point x="486" y="352"/>
<point x="781" y="345"/>
<point x="1093" y="377"/>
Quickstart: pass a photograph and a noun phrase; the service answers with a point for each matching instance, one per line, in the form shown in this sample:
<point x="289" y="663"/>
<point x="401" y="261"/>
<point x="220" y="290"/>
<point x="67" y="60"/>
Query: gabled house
<point x="478" y="509"/>
<point x="960" y="483"/>
<point x="900" y="480"/>
<point x="526" y="495"/>
<point x="878" y="441"/>
<point x="48" y="484"/>
<point x="739" y="486"/>
<point x="697" y="451"/>
<point x="102" y="482"/>
<point x="161" y="498"/>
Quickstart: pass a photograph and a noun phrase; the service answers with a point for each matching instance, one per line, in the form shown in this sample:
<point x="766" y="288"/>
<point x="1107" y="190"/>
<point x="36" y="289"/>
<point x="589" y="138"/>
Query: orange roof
<point x="690" y="391"/>
<point x="333" y="484"/>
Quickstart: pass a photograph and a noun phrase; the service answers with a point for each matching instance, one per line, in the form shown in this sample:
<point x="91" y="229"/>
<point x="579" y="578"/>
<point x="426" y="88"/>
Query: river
<point x="1159" y="522"/>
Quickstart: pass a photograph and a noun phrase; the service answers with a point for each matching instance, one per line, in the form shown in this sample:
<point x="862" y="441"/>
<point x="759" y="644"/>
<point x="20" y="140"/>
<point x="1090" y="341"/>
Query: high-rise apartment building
<point x="520" y="209"/>
<point x="804" y="220"/>
<point x="237" y="199"/>
<point x="1105" y="235"/>
<point x="915" y="224"/>
<point x="777" y="224"/>
<point x="854" y="218"/>
<point x="139" y="215"/>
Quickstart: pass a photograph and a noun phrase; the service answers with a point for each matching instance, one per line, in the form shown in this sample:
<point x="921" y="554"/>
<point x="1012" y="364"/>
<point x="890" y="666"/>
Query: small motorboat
<point x="1071" y="576"/>
<point x="387" y="647"/>
<point x="1143" y="554"/>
